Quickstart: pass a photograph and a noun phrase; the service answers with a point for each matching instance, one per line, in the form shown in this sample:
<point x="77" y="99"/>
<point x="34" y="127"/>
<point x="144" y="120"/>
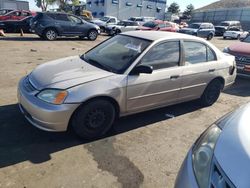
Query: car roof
<point x="157" y="35"/>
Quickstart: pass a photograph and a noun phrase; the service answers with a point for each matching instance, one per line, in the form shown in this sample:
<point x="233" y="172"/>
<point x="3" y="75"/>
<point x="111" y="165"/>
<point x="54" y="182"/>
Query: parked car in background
<point x="105" y="21"/>
<point x="16" y="15"/>
<point x="204" y="30"/>
<point x="233" y="33"/>
<point x="183" y="24"/>
<point x="15" y="26"/>
<point x="5" y="11"/>
<point x="159" y="25"/>
<point x="141" y="20"/>
<point x="122" y="26"/>
<point x="241" y="51"/>
<point x="226" y="25"/>
<point x="129" y="73"/>
<point x="220" y="156"/>
<point x="49" y="26"/>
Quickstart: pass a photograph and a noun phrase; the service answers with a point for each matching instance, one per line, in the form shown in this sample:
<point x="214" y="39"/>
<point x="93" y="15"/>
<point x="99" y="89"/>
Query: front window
<point x="150" y="24"/>
<point x="194" y="26"/>
<point x="116" y="54"/>
<point x="162" y="56"/>
<point x="104" y="19"/>
<point x="224" y="24"/>
<point x="247" y="39"/>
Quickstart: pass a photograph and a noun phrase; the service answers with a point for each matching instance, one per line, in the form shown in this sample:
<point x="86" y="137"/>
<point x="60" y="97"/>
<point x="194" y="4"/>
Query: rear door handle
<point x="211" y="70"/>
<point x="174" y="77"/>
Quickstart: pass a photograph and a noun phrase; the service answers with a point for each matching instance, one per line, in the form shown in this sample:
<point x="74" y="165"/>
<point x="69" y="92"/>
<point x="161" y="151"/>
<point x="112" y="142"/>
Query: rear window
<point x="150" y="24"/>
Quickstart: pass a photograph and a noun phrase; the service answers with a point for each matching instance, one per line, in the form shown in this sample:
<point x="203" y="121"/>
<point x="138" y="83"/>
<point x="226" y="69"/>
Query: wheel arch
<point x="107" y="98"/>
<point x="219" y="78"/>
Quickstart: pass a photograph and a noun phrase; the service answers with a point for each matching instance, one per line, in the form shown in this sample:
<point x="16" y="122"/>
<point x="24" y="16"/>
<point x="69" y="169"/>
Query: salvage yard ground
<point x="143" y="150"/>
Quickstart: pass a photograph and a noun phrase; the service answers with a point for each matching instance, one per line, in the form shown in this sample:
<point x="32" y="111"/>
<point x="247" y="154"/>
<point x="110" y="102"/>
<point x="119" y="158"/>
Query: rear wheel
<point x="211" y="93"/>
<point x="50" y="34"/>
<point x="93" y="119"/>
<point x="92" y="35"/>
<point x="238" y="37"/>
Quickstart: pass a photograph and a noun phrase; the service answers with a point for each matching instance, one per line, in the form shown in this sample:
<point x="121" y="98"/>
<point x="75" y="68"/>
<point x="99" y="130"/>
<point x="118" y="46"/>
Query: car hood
<point x="240" y="48"/>
<point x="65" y="73"/>
<point x="233" y="148"/>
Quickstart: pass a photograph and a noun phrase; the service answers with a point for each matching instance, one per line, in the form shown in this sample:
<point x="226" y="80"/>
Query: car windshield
<point x="104" y="19"/>
<point x="247" y="39"/>
<point x="3" y="12"/>
<point x="224" y="24"/>
<point x="194" y="26"/>
<point x="150" y="24"/>
<point x="116" y="54"/>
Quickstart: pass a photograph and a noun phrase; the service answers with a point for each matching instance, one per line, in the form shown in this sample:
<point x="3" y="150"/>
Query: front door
<point x="160" y="88"/>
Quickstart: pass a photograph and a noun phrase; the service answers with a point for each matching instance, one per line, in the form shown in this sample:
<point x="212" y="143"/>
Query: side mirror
<point x="146" y="69"/>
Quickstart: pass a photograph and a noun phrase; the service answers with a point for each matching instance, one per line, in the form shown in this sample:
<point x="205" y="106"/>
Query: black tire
<point x="117" y="31"/>
<point x="92" y="35"/>
<point x="102" y="29"/>
<point x="93" y="119"/>
<point x="238" y="37"/>
<point x="210" y="36"/>
<point x="50" y="34"/>
<point x="211" y="93"/>
<point x="224" y="37"/>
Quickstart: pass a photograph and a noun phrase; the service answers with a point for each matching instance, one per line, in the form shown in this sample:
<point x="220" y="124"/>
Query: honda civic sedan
<point x="220" y="157"/>
<point x="126" y="74"/>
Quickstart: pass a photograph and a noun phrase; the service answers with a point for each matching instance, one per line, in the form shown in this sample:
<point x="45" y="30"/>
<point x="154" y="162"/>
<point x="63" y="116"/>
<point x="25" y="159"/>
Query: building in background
<point x="12" y="4"/>
<point x="123" y="9"/>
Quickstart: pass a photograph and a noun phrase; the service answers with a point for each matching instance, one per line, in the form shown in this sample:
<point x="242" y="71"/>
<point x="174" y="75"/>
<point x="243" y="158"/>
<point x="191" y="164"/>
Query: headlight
<point x="226" y="50"/>
<point x="53" y="96"/>
<point x="203" y="154"/>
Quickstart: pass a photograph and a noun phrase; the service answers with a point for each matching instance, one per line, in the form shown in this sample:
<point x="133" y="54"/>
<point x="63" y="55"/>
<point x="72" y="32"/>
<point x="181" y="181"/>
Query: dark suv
<point x="51" y="25"/>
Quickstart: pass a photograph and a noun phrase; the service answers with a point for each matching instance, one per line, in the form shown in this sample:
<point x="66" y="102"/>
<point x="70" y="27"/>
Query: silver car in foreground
<point x="126" y="74"/>
<point x="220" y="157"/>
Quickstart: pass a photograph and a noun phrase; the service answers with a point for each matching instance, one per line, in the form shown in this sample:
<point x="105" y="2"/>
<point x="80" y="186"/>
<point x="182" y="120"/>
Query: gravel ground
<point x="143" y="150"/>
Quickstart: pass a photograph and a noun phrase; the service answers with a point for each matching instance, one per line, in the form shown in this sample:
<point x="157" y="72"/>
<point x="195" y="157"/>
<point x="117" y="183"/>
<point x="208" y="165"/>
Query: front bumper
<point x="43" y="115"/>
<point x="186" y="177"/>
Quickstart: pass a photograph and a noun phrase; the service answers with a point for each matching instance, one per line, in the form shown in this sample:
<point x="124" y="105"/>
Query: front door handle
<point x="174" y="77"/>
<point x="211" y="70"/>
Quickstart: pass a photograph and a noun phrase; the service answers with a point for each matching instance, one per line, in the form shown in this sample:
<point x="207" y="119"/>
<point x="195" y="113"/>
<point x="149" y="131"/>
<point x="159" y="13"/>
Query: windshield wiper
<point x="96" y="63"/>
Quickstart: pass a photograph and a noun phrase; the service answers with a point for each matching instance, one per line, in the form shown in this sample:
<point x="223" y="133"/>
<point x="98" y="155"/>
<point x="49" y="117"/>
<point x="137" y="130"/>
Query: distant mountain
<point x="226" y="4"/>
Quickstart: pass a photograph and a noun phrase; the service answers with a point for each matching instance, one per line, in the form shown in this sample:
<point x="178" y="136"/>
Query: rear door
<point x="201" y="66"/>
<point x="160" y="88"/>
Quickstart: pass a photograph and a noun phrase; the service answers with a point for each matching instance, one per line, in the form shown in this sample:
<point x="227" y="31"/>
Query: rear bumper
<point x="43" y="115"/>
<point x="186" y="177"/>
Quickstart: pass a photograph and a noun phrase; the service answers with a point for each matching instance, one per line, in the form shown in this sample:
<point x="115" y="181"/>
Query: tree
<point x="43" y="4"/>
<point x="174" y="8"/>
<point x="189" y="10"/>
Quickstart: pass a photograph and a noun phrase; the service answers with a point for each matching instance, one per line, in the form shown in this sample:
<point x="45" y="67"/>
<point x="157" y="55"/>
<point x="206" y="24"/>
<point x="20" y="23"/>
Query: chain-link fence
<point x="218" y="15"/>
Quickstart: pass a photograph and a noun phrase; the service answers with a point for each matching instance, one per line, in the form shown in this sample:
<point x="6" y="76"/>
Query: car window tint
<point x="25" y="14"/>
<point x="196" y="52"/>
<point x="74" y="19"/>
<point x="162" y="25"/>
<point x="112" y="20"/>
<point x="163" y="55"/>
<point x="62" y="17"/>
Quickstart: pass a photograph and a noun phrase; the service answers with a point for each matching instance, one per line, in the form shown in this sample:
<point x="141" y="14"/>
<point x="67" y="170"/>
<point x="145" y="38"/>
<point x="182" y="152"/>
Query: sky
<point x="182" y="3"/>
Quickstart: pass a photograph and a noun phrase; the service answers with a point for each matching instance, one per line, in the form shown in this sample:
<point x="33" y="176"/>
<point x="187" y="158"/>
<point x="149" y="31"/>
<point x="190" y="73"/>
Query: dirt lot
<point x="144" y="150"/>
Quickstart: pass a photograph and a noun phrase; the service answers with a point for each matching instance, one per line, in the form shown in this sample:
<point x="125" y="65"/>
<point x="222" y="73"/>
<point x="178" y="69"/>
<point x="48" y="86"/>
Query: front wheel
<point x="92" y="35"/>
<point x="93" y="119"/>
<point x="50" y="34"/>
<point x="209" y="37"/>
<point x="211" y="93"/>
